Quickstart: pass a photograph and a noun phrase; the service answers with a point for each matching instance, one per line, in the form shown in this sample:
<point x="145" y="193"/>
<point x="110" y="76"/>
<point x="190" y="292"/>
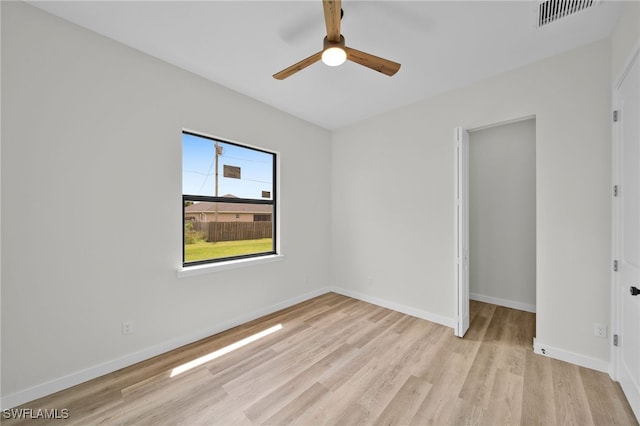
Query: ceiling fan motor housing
<point x="329" y="44"/>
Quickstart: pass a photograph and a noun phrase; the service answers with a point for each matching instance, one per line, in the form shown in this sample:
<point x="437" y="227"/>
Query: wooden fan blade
<point x="376" y="63"/>
<point x="297" y="67"/>
<point x="332" y="12"/>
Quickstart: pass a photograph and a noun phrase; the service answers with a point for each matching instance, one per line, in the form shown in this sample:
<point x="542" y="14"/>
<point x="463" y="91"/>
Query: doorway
<point x="502" y="215"/>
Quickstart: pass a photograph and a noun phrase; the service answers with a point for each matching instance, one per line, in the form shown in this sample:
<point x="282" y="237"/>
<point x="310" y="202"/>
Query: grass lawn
<point x="201" y="250"/>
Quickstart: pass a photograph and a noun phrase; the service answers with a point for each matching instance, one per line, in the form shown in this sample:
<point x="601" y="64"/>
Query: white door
<point x="627" y="234"/>
<point x="461" y="139"/>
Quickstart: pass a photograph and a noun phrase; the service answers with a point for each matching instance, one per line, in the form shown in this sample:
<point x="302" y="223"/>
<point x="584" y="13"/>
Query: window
<point x="228" y="199"/>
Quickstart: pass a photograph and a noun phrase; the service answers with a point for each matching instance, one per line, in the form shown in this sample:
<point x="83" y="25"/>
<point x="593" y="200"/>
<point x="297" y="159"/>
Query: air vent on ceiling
<point x="552" y="10"/>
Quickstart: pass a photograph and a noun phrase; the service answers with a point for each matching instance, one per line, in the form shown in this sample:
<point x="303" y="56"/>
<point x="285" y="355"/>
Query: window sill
<point x="191" y="271"/>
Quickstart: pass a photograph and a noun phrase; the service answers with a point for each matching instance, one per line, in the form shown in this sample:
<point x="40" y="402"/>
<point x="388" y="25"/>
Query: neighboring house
<point x="228" y="212"/>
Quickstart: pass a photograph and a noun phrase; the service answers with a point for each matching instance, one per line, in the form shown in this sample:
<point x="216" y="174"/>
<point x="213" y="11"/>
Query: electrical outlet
<point x="127" y="327"/>
<point x="600" y="330"/>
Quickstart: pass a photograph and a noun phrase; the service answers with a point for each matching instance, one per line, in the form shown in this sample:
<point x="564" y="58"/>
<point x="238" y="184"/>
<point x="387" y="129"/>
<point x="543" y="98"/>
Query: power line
<point x="246" y="159"/>
<point x="206" y="176"/>
<point x="253" y="180"/>
<point x="211" y="174"/>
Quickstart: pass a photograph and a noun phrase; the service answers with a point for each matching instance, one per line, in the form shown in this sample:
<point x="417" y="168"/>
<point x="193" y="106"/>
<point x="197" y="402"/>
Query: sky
<point x="198" y="171"/>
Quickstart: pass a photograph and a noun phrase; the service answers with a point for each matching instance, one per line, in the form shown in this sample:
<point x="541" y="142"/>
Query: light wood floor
<point x="337" y="360"/>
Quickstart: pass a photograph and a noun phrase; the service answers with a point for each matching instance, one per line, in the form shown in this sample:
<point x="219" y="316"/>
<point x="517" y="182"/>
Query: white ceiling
<point x="241" y="44"/>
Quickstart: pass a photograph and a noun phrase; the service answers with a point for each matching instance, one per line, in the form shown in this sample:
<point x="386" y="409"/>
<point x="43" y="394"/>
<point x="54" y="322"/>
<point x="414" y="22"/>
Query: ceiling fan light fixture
<point x="334" y="51"/>
<point x="334" y="56"/>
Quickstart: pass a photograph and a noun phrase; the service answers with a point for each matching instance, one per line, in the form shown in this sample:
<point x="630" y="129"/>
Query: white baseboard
<point x="503" y="302"/>
<point x="439" y="319"/>
<point x="47" y="388"/>
<point x="570" y="357"/>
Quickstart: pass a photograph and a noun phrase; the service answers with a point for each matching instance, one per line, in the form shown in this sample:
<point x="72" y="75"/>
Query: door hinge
<point x="615" y="190"/>
<point x="616" y="340"/>
<point x="616" y="116"/>
<point x="615" y="266"/>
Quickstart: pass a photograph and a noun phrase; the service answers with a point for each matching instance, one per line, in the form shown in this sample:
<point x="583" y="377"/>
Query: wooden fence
<point x="233" y="231"/>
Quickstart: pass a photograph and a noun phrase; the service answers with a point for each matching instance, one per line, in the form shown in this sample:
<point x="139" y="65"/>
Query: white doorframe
<point x="461" y="141"/>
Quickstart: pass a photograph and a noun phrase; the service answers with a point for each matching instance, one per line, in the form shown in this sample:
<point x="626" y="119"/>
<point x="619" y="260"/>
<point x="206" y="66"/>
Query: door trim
<point x="631" y="390"/>
<point x="615" y="212"/>
<point x="461" y="142"/>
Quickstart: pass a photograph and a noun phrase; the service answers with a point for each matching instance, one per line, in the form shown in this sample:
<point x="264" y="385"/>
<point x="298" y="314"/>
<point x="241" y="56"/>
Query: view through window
<point x="228" y="198"/>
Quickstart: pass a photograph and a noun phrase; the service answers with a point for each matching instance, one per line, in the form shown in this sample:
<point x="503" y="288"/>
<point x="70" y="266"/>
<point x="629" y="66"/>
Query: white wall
<point x="625" y="37"/>
<point x="91" y="131"/>
<point x="502" y="214"/>
<point x="402" y="163"/>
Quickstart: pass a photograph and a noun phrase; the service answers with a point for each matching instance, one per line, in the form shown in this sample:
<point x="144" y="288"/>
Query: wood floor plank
<point x="379" y="313"/>
<point x="467" y="413"/>
<point x="538" y="394"/>
<point x="429" y="359"/>
<point x="292" y="411"/>
<point x="439" y="404"/>
<point x="264" y="378"/>
<point x="223" y="411"/>
<point x="505" y="403"/>
<point x="352" y="415"/>
<point x="365" y="355"/>
<point x="275" y="400"/>
<point x="572" y="405"/>
<point x="223" y="374"/>
<point x="102" y="399"/>
<point x="381" y="392"/>
<point x="405" y="403"/>
<point x="605" y="402"/>
<point x="334" y="313"/>
<point x="169" y="403"/>
<point x="369" y="332"/>
<point x="442" y="358"/>
<point x="344" y="397"/>
<point x="482" y="375"/>
<point x="340" y="361"/>
<point x="404" y="323"/>
<point x="267" y="343"/>
<point x="403" y="354"/>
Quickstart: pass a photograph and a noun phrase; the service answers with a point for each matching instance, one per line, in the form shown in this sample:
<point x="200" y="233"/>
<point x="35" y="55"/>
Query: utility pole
<point x="218" y="153"/>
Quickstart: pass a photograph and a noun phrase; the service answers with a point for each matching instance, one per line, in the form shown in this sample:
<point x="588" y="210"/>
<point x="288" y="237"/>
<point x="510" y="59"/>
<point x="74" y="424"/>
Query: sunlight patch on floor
<point x="232" y="347"/>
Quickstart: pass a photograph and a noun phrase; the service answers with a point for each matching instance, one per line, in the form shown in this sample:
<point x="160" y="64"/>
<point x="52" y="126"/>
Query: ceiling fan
<point x="335" y="52"/>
